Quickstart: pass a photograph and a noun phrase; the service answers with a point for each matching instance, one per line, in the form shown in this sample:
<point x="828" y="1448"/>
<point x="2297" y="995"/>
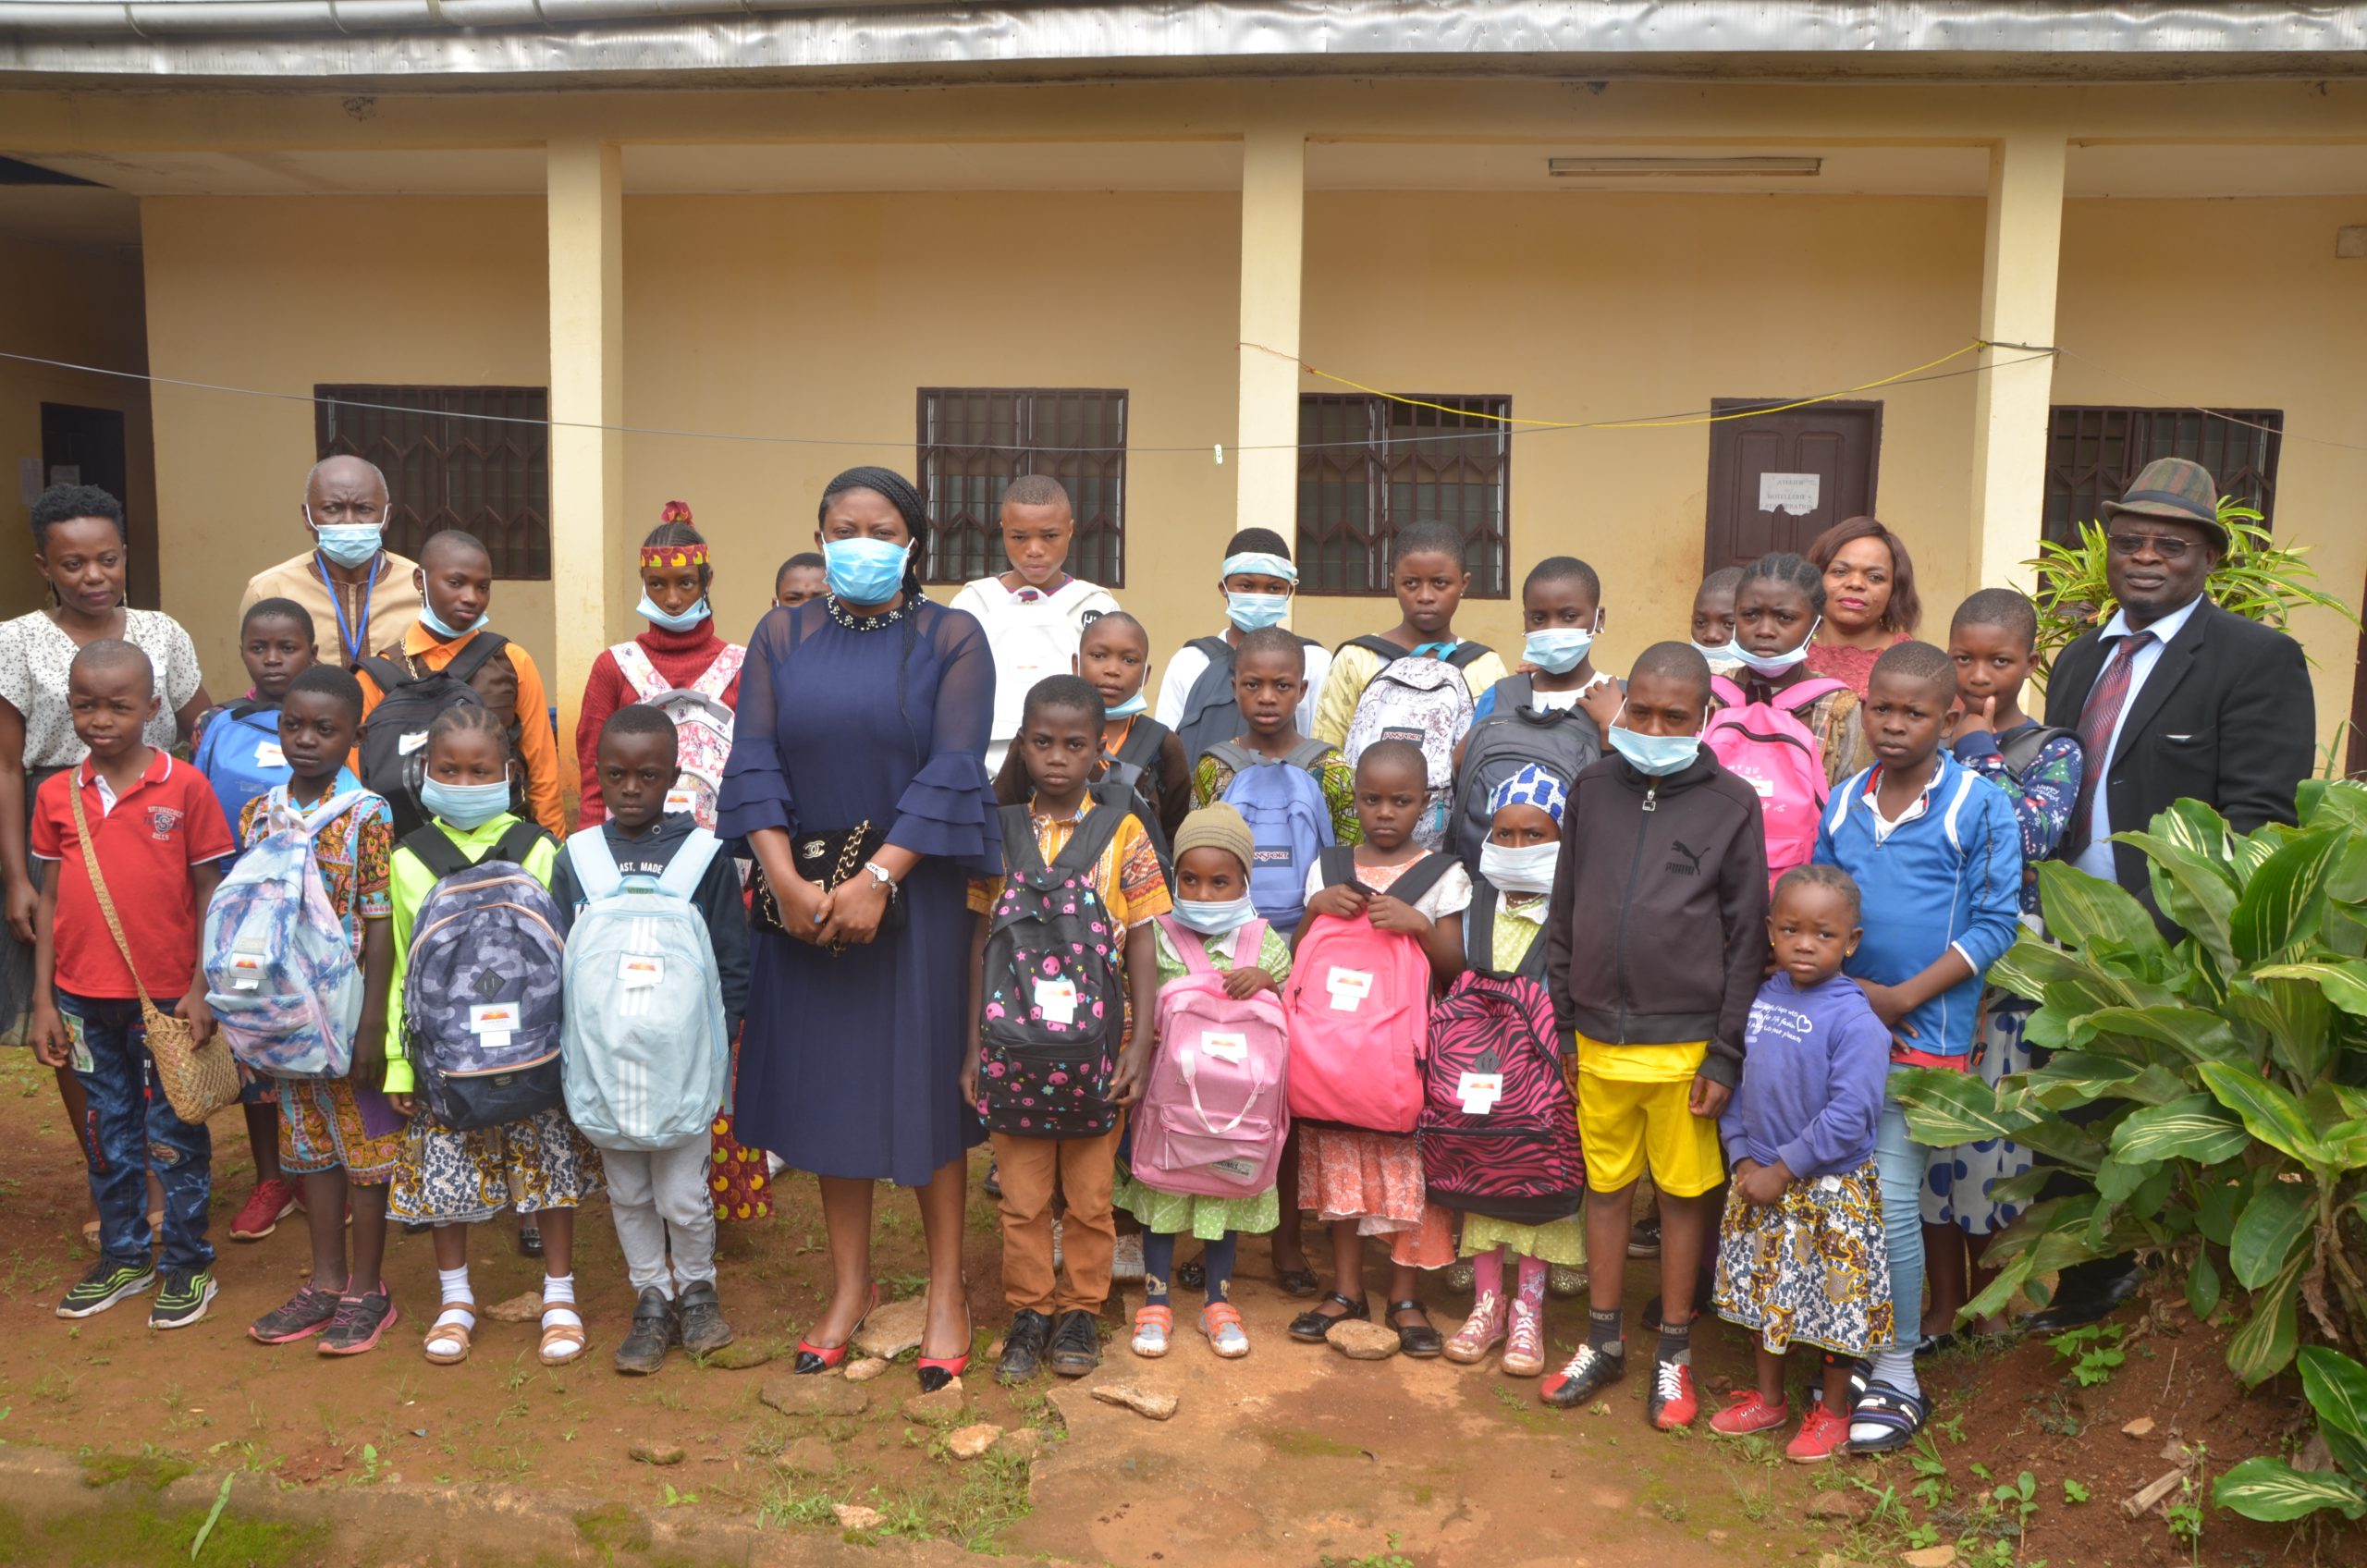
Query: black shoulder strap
<point x="386" y="673"/>
<point x="1143" y="742"/>
<point x="1338" y="863"/>
<point x="1420" y="877"/>
<point x="1466" y="655"/>
<point x="2021" y="748"/>
<point x="1390" y="653"/>
<point x="517" y="841"/>
<point x="1214" y="647"/>
<point x="246" y="707"/>
<point x="475" y="656"/>
<point x="1480" y="929"/>
<point x="435" y="851"/>
<point x="1021" y="853"/>
<point x="1514" y="695"/>
<point x="1092" y="834"/>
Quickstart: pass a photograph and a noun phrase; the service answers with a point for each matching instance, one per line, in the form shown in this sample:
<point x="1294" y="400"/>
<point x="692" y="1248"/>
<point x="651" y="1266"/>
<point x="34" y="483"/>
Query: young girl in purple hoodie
<point x="1801" y="1254"/>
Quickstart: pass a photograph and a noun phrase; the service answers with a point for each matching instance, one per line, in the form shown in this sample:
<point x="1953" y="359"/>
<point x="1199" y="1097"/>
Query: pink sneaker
<point x="1747" y="1412"/>
<point x="270" y="1202"/>
<point x="1481" y="1332"/>
<point x="1525" y="1346"/>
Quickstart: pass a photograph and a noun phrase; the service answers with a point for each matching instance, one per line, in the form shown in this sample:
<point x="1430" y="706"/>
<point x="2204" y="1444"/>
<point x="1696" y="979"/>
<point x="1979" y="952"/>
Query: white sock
<point x="559" y="1301"/>
<point x="1894" y="1366"/>
<point x="454" y="1285"/>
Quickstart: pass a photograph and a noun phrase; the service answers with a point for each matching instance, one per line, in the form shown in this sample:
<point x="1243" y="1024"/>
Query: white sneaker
<point x="1126" y="1258"/>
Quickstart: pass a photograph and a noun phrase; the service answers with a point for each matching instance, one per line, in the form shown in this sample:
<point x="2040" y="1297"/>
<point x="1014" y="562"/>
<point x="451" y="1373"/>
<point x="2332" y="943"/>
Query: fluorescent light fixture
<point x="1661" y="169"/>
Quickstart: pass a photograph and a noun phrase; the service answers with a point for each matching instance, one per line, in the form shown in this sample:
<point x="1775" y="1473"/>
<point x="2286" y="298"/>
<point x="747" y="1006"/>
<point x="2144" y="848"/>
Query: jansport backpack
<point x="279" y="971"/>
<point x="1511" y="736"/>
<point x="481" y="993"/>
<point x="1358" y="1003"/>
<point x="1290" y="825"/>
<point x="1053" y="1012"/>
<point x="1426" y="701"/>
<point x="1214" y="1114"/>
<point x="239" y="755"/>
<point x="1499" y="1133"/>
<point x="642" y="1048"/>
<point x="702" y="723"/>
<point x="393" y="738"/>
<point x="1211" y="711"/>
<point x="1135" y="770"/>
<point x="1767" y="746"/>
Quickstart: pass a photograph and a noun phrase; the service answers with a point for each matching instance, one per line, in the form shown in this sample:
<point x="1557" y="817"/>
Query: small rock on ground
<point x="1021" y="1442"/>
<point x="808" y="1456"/>
<point x="1929" y="1557"/>
<point x="1364" y="1342"/>
<point x="814" y="1396"/>
<point x="1142" y="1401"/>
<point x="1839" y="1505"/>
<point x="738" y="1356"/>
<point x="526" y="1308"/>
<point x="656" y="1453"/>
<point x="2139" y="1428"/>
<point x="940" y="1409"/>
<point x="854" y="1516"/>
<point x="969" y="1442"/>
<point x="893" y="1329"/>
<point x="863" y="1371"/>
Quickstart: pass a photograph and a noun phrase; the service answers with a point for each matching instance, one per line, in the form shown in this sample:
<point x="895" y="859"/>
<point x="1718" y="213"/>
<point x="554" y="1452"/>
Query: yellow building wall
<point x="80" y="304"/>
<point x="281" y="294"/>
<point x="2239" y="303"/>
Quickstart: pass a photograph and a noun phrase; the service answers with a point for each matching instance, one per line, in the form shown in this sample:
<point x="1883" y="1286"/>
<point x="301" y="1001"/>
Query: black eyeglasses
<point x="2169" y="546"/>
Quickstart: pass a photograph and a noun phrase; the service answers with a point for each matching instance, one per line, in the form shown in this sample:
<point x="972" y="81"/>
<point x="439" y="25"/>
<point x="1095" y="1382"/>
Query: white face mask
<point x="1777" y="664"/>
<point x="1527" y="868"/>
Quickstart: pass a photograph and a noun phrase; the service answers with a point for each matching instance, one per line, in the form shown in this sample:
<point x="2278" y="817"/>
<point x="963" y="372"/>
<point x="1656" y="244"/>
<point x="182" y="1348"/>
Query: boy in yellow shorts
<point x="1656" y="941"/>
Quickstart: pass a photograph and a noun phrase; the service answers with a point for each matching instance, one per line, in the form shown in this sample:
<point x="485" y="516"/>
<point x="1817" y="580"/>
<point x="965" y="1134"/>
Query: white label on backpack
<point x="1349" y="987"/>
<point x="246" y="971"/>
<point x="406" y="744"/>
<point x="1233" y="1048"/>
<point x="634" y="970"/>
<point x="1766" y="787"/>
<point x="1480" y="1091"/>
<point x="495" y="1039"/>
<point x="1057" y="1000"/>
<point x="1241" y="1168"/>
<point x="268" y="754"/>
<point x="493" y="1018"/>
<point x="682" y="800"/>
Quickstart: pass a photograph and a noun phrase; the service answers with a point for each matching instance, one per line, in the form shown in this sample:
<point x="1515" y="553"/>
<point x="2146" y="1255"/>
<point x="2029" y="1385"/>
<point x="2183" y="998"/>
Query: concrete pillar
<point x="1273" y="212"/>
<point x="588" y="566"/>
<point x="2020" y="259"/>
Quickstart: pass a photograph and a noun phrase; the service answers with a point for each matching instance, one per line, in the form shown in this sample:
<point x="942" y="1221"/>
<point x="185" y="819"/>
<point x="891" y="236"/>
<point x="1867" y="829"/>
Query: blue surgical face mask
<point x="1718" y="653"/>
<point x="347" y="544"/>
<point x="1658" y="755"/>
<point x="1557" y="649"/>
<point x="1255" y="612"/>
<point x="464" y="805"/>
<point x="435" y="623"/>
<point x="1129" y="707"/>
<point x="1777" y="664"/>
<point x="1215" y="919"/>
<point x="682" y="623"/>
<point x="865" y="572"/>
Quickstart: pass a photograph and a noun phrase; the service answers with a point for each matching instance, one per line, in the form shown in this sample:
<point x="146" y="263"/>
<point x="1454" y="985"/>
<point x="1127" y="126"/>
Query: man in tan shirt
<point x="356" y="589"/>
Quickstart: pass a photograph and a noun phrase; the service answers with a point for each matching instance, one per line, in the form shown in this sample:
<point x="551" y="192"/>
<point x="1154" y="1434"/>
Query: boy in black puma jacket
<point x="1655" y="945"/>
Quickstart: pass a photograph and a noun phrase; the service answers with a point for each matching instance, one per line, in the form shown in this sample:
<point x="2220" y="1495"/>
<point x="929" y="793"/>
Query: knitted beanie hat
<point x="1217" y="827"/>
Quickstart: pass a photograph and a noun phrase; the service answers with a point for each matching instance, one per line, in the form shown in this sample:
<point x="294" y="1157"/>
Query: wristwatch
<point x="885" y="879"/>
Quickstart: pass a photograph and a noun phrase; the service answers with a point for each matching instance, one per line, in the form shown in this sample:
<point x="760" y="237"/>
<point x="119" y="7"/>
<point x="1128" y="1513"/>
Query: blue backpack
<point x="480" y="992"/>
<point x="238" y="753"/>
<point x="279" y="971"/>
<point x="1290" y="825"/>
<point x="644" y="1056"/>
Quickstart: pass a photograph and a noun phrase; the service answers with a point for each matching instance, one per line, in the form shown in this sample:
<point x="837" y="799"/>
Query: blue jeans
<point x="1900" y="1161"/>
<point x="132" y="1129"/>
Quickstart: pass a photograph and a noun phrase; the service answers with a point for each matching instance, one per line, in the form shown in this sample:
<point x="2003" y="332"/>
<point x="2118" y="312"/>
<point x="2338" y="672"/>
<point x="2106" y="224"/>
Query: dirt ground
<point x="1295" y="1456"/>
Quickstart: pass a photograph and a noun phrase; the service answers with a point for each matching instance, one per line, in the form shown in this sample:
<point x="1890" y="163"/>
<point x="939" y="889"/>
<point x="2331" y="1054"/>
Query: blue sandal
<point x="1900" y="1415"/>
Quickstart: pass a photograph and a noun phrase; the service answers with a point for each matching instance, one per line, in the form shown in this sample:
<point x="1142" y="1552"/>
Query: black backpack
<point x="1467" y="653"/>
<point x="393" y="738"/>
<point x="1511" y="735"/>
<point x="1211" y="714"/>
<point x="2020" y="747"/>
<point x="1135" y="770"/>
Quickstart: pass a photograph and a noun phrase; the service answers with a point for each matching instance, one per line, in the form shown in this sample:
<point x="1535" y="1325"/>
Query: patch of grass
<point x="2094" y="1353"/>
<point x="1299" y="1444"/>
<point x="154" y="1470"/>
<point x="613" y="1528"/>
<point x="1526" y="1414"/>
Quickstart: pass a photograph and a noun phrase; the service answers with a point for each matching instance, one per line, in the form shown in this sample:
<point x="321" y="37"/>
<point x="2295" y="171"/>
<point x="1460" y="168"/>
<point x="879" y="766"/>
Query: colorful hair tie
<point x="673" y="555"/>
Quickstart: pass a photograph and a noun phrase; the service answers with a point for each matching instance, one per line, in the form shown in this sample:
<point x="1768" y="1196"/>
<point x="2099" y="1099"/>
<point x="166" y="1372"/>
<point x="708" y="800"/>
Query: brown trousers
<point x="1082" y="1171"/>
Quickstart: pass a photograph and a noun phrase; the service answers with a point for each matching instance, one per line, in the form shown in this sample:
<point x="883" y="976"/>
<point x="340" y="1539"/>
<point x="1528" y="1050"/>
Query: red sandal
<point x="813" y="1358"/>
<point x="937" y="1371"/>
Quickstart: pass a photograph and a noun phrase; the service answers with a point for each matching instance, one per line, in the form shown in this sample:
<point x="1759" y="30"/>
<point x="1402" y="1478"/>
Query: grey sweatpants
<point x="660" y="1200"/>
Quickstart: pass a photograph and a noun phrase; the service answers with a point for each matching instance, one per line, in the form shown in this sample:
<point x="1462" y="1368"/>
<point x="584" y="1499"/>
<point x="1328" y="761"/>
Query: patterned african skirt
<point x="1813" y="1267"/>
<point x="532" y="1164"/>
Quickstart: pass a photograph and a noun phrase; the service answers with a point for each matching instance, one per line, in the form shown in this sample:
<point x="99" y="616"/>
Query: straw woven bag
<point x="198" y="1080"/>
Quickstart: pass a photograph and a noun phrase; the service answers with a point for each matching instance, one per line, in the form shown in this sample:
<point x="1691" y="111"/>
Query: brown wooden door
<point x="1778" y="480"/>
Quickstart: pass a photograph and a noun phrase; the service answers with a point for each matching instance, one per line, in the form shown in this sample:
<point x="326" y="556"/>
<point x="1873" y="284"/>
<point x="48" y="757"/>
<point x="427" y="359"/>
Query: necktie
<point x="2101" y="713"/>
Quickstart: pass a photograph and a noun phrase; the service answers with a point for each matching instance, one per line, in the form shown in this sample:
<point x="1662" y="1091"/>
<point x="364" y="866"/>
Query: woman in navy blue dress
<point x="870" y="704"/>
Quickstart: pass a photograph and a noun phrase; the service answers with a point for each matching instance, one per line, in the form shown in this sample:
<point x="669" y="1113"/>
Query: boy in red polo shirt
<point x="160" y="840"/>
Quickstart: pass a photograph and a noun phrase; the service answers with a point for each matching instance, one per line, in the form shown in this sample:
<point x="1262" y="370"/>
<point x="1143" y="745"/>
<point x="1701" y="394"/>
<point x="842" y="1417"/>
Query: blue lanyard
<point x="336" y="606"/>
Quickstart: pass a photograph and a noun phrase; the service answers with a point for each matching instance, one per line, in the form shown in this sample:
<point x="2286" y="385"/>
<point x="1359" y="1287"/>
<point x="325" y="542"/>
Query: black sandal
<point x="1420" y="1341"/>
<point x="1314" y="1325"/>
<point x="1300" y="1283"/>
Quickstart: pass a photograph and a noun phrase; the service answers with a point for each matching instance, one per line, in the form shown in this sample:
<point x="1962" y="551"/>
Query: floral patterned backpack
<point x="702" y="724"/>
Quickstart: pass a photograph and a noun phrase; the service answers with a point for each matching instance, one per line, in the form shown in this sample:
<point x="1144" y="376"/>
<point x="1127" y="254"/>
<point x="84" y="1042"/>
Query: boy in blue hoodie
<point x="1937" y="855"/>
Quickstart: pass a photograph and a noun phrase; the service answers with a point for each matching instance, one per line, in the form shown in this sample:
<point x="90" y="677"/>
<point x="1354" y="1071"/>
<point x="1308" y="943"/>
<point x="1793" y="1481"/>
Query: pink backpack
<point x="1213" y="1116"/>
<point x="702" y="723"/>
<point x="1767" y="746"/>
<point x="1358" y="1004"/>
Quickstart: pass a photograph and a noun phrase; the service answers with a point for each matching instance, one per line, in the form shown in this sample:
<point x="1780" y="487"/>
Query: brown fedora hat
<point x="2174" y="490"/>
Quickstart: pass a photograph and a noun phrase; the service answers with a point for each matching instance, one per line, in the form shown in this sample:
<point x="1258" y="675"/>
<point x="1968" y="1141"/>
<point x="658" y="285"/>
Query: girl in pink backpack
<point x="680" y="657"/>
<point x="1382" y="932"/>
<point x="1209" y="1137"/>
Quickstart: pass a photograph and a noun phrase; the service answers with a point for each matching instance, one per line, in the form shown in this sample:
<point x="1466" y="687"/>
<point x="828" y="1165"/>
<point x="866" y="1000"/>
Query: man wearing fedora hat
<point x="2173" y="698"/>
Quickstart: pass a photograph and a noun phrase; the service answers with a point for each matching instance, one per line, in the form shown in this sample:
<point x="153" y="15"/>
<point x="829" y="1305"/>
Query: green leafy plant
<point x="2186" y="1513"/>
<point x="2019" y="1496"/>
<point x="2075" y="1491"/>
<point x="2257" y="578"/>
<point x="2221" y="1123"/>
<point x="2093" y="1351"/>
<point x="2268" y="1487"/>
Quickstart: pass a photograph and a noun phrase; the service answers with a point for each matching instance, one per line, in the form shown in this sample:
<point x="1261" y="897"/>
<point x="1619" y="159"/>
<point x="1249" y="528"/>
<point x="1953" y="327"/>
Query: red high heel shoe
<point x="937" y="1371"/>
<point x="813" y="1358"/>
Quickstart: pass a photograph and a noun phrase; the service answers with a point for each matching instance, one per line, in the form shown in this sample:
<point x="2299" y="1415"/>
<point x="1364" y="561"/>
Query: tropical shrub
<point x="2212" y="1091"/>
<point x="2267" y="1488"/>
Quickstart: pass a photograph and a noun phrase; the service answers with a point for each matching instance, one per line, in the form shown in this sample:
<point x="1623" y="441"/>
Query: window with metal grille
<point x="974" y="440"/>
<point x="473" y="457"/>
<point x="2093" y="453"/>
<point x="1369" y="467"/>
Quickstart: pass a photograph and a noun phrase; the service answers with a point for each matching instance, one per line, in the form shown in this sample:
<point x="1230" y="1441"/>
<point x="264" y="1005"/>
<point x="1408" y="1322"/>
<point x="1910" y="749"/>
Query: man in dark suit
<point x="2173" y="698"/>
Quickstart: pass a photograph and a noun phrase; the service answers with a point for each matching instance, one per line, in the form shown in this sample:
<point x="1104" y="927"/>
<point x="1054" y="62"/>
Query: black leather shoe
<point x="655" y="1329"/>
<point x="1420" y="1341"/>
<point x="1076" y="1343"/>
<point x="2091" y="1305"/>
<point x="704" y="1330"/>
<point x="1022" y="1347"/>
